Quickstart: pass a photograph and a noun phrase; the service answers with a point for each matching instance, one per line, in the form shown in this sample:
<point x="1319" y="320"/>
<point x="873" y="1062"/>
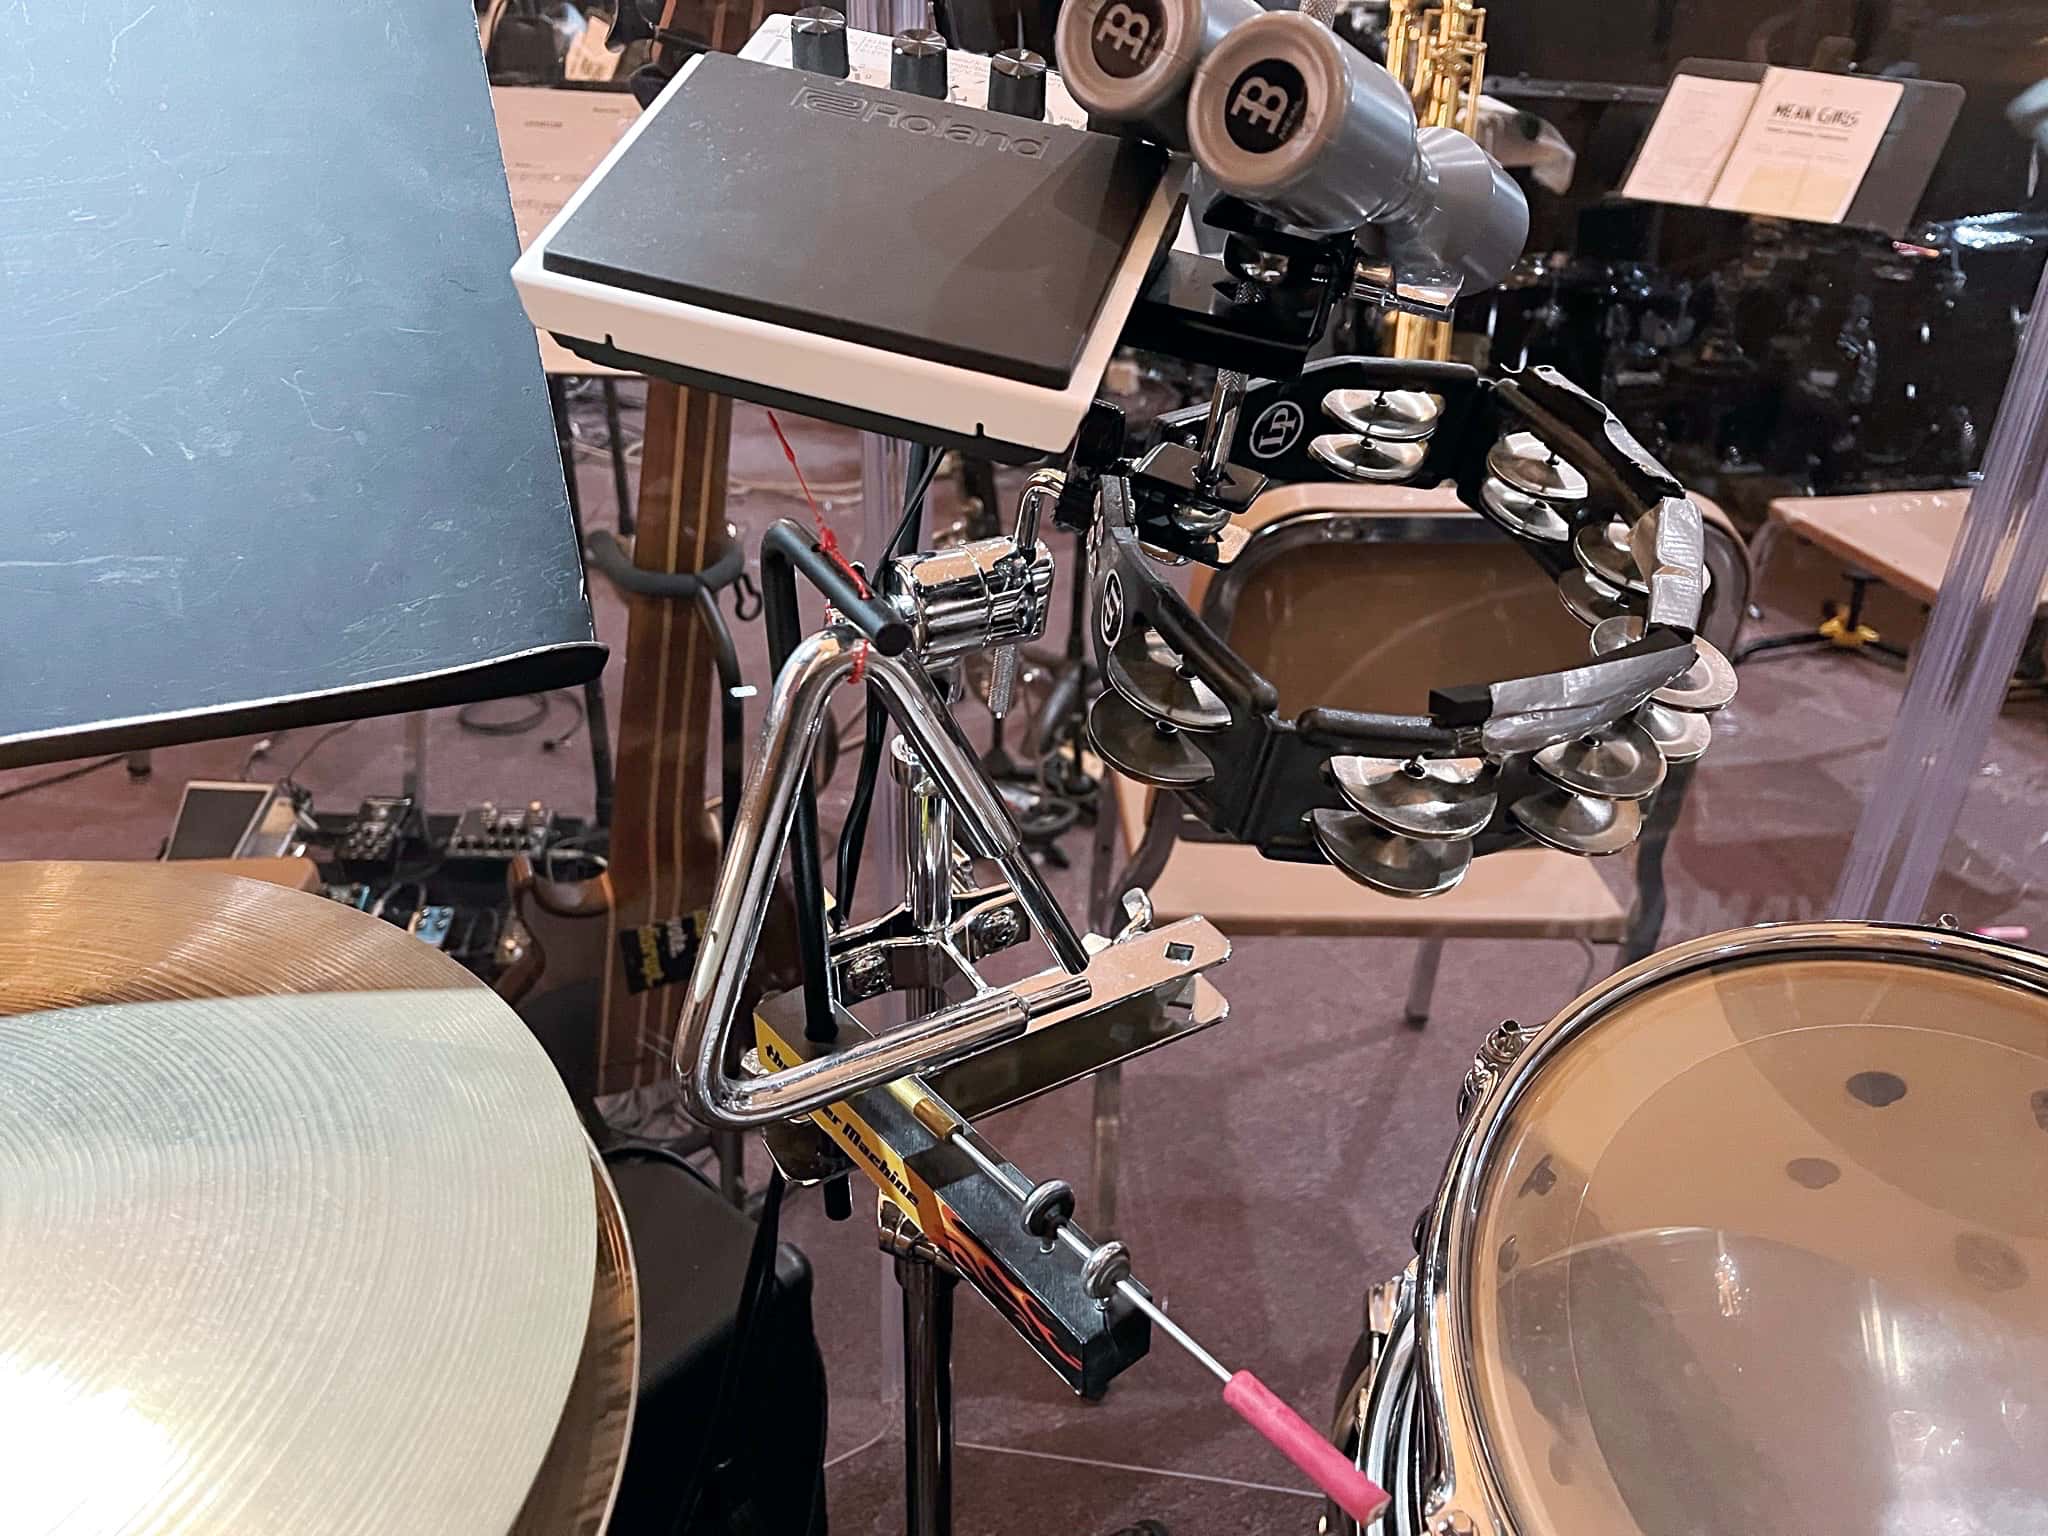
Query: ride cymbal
<point x="1142" y="748"/>
<point x="1616" y="762"/>
<point x="1681" y="735"/>
<point x="579" y="1477"/>
<point x="1367" y="458"/>
<point x="1589" y="601"/>
<point x="331" y="1212"/>
<point x="1391" y="415"/>
<point x="1525" y="462"/>
<point x="1520" y="513"/>
<point x="1387" y="861"/>
<point x="1442" y="798"/>
<point x="1578" y="824"/>
<point x="1147" y="672"/>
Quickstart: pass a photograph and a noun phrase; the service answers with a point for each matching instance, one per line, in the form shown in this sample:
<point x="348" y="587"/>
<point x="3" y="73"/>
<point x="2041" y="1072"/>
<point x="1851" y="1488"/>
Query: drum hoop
<point x="1386" y="1464"/>
<point x="1466" y="1496"/>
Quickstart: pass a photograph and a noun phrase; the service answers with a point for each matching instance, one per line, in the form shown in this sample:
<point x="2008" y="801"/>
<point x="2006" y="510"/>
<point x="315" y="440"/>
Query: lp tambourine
<point x="1403" y="803"/>
<point x="1752" y="1237"/>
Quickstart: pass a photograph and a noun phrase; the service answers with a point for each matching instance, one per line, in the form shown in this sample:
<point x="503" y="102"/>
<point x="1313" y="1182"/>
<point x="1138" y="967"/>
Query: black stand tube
<point x="785" y="632"/>
<point x="596" y="724"/>
<point x="927" y="1396"/>
<point x="618" y="447"/>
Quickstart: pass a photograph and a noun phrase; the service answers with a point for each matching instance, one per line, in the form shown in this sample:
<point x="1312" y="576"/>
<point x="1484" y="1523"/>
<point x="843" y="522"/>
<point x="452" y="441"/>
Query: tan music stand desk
<point x="1902" y="539"/>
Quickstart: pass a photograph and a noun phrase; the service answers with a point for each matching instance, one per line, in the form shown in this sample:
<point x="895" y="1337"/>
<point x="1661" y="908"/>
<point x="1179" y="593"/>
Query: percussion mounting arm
<point x="925" y="611"/>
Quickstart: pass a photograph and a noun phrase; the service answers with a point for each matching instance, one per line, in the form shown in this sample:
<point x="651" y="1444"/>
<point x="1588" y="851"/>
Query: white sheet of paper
<point x="1807" y="145"/>
<point x="1689" y="142"/>
<point x="551" y="141"/>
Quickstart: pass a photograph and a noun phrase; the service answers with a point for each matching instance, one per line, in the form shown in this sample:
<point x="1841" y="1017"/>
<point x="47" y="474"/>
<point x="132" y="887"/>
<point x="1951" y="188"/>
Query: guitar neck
<point x="664" y="848"/>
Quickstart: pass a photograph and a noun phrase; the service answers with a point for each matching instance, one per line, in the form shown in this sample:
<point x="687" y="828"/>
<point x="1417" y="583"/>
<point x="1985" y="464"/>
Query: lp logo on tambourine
<point x="1110" y="614"/>
<point x="1277" y="429"/>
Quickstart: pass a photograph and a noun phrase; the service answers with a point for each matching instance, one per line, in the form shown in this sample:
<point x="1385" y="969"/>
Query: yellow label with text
<point x="870" y="1153"/>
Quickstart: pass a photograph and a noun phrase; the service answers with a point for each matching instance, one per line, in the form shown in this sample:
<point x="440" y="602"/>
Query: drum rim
<point x="1465" y="1494"/>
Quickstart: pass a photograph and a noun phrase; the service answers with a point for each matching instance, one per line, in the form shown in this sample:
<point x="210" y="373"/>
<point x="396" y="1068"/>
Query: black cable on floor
<point x="518" y="725"/>
<point x="63" y="778"/>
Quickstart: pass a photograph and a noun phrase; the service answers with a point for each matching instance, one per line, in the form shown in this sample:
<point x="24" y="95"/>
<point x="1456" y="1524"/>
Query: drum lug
<point x="1388" y="1305"/>
<point x="1507" y="1041"/>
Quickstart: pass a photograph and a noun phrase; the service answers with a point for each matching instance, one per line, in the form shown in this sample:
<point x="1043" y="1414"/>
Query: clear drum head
<point x="1765" y="1248"/>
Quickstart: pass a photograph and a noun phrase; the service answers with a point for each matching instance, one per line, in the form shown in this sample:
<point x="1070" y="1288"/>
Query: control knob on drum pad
<point x="1525" y="462"/>
<point x="1387" y="861"/>
<point x="1370" y="459"/>
<point x="1420" y="797"/>
<point x="917" y="63"/>
<point x="1391" y="415"/>
<point x="1559" y="819"/>
<point x="1140" y="747"/>
<point x="1147" y="672"/>
<point x="1617" y="762"/>
<point x="817" y="41"/>
<point x="1016" y="83"/>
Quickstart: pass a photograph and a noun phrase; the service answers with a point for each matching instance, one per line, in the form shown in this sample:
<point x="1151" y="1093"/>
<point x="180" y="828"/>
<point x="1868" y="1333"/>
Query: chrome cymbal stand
<point x="829" y="1097"/>
<point x="923" y="1274"/>
<point x="899" y="1106"/>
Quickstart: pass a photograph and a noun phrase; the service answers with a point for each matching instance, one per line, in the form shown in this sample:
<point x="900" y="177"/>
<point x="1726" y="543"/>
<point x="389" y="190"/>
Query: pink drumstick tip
<point x="1327" y="1467"/>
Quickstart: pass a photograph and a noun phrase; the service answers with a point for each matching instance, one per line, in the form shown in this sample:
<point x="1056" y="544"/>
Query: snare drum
<point x="1752" y="1238"/>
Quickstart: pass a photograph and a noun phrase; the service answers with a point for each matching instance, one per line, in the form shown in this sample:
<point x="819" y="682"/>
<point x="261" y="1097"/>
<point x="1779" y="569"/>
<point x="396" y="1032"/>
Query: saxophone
<point x="1437" y="50"/>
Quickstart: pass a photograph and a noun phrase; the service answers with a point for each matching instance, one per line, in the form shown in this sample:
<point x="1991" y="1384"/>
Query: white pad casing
<point x="829" y="375"/>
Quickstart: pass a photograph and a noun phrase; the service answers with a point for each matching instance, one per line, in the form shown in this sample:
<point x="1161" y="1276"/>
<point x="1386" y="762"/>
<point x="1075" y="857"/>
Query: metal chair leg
<point x="1103" y="1152"/>
<point x="1422" y="981"/>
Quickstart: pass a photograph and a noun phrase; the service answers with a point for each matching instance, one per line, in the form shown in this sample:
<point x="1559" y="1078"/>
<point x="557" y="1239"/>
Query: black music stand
<point x="1904" y="161"/>
<point x="275" y="447"/>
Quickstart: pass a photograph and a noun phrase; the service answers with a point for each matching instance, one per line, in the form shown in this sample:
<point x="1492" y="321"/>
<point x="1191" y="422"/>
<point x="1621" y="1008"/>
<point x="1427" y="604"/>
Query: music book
<point x="1796" y="144"/>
